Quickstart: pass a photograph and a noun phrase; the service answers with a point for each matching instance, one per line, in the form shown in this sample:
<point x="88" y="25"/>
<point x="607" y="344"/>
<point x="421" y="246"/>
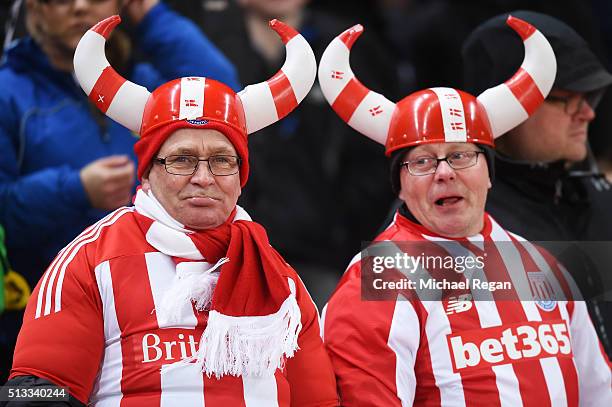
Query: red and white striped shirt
<point x="90" y="325"/>
<point x="483" y="353"/>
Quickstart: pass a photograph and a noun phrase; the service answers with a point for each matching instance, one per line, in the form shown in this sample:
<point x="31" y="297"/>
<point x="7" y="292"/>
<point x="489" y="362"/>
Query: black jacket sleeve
<point x="33" y="382"/>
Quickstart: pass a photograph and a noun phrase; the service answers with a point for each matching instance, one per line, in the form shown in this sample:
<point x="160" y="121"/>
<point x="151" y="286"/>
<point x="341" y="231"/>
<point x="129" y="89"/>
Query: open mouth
<point x="448" y="201"/>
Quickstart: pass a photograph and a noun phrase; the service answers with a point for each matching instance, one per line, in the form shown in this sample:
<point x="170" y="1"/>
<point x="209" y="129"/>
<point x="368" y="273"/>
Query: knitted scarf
<point x="254" y="319"/>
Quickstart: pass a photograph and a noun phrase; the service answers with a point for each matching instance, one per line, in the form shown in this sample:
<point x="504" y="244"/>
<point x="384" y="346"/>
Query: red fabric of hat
<point x="149" y="144"/>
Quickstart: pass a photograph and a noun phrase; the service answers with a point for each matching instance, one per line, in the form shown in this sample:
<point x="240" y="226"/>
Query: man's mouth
<point x="448" y="201"/>
<point x="201" y="199"/>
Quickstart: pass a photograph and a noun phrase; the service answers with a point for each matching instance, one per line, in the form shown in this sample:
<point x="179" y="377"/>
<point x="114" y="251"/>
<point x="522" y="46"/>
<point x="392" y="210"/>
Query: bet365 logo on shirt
<point x="509" y="343"/>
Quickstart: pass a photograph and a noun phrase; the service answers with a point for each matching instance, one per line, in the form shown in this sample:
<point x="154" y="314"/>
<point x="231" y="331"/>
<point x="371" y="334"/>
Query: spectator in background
<point x="64" y="165"/>
<point x="601" y="129"/>
<point x="547" y="184"/>
<point x="301" y="188"/>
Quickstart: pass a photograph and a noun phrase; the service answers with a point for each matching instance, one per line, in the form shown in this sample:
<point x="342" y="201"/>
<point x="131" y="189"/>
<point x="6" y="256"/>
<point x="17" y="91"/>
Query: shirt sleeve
<point x="594" y="376"/>
<point x="309" y="372"/>
<point x="62" y="337"/>
<point x="367" y="349"/>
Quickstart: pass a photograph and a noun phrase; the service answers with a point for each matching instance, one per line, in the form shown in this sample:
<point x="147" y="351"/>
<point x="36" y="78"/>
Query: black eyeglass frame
<point x="585" y="98"/>
<point x="435" y="168"/>
<point x="162" y="161"/>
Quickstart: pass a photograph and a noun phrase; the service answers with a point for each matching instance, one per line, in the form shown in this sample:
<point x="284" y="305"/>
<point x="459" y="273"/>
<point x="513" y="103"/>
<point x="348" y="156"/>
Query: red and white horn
<point x="512" y="102"/>
<point x="267" y="102"/>
<point x="366" y="111"/>
<point x="121" y="100"/>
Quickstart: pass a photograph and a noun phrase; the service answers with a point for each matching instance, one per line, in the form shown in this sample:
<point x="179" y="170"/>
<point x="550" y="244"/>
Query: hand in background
<point x="108" y="181"/>
<point x="137" y="9"/>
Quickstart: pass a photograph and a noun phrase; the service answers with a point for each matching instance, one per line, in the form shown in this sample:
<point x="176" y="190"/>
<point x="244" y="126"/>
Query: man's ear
<point x="145" y="182"/>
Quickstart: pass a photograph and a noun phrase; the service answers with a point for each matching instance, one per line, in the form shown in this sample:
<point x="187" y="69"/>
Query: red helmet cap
<point x="193" y="102"/>
<point x="438" y="115"/>
<point x="199" y="103"/>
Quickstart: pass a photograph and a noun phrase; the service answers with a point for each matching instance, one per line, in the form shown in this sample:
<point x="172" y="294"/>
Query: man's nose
<point x="444" y="172"/>
<point x="585" y="112"/>
<point x="203" y="176"/>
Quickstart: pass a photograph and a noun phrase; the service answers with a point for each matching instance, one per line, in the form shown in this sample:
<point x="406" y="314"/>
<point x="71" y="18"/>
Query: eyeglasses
<point x="69" y="3"/>
<point x="572" y="103"/>
<point x="219" y="165"/>
<point x="457" y="160"/>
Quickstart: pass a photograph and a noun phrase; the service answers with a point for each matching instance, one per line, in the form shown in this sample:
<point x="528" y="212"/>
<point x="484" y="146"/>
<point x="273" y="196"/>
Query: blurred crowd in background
<point x="315" y="183"/>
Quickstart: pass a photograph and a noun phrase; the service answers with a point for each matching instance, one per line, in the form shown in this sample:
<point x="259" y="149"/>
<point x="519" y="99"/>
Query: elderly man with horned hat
<point x="180" y="299"/>
<point x="446" y="308"/>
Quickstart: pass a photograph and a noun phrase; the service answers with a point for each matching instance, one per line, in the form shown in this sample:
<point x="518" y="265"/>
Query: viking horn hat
<point x="438" y="114"/>
<point x="197" y="100"/>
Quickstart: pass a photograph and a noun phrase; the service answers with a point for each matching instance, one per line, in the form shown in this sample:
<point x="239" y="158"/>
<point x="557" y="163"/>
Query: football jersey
<point x="458" y="351"/>
<point x="91" y="325"/>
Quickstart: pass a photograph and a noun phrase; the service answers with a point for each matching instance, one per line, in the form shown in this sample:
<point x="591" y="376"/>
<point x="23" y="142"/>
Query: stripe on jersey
<point x="135" y="316"/>
<point x="260" y="391"/>
<point x="183" y="386"/>
<point x="529" y="374"/>
<point x="61" y="261"/>
<point x="401" y="344"/>
<point x="162" y="274"/>
<point x="507" y="380"/>
<point x="107" y="389"/>
<point x="429" y="388"/>
<point x="554" y="382"/>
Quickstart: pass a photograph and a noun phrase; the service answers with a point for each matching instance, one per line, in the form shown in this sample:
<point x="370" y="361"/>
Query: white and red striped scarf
<point x="254" y="319"/>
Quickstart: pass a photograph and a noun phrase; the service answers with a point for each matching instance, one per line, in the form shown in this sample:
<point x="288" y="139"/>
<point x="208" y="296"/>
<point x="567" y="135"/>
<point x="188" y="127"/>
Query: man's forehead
<point x="435" y="148"/>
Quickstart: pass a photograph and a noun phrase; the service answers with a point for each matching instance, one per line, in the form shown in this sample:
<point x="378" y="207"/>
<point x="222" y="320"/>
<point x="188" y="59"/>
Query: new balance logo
<point x="502" y="344"/>
<point x="460" y="303"/>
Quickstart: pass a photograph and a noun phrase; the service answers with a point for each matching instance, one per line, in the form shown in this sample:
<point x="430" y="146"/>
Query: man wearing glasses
<point x="403" y="328"/>
<point x="180" y="300"/>
<point x="64" y="164"/>
<point x="548" y="186"/>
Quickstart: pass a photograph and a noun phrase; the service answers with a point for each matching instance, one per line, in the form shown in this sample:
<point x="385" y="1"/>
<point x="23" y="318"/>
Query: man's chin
<point x="576" y="154"/>
<point x="456" y="227"/>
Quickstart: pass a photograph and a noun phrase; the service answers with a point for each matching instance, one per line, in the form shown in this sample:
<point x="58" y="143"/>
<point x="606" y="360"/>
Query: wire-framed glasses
<point x="219" y="165"/>
<point x="457" y="160"/>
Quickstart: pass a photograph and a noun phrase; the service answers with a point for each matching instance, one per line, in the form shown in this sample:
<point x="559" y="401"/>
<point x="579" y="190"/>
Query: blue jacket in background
<point x="48" y="133"/>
